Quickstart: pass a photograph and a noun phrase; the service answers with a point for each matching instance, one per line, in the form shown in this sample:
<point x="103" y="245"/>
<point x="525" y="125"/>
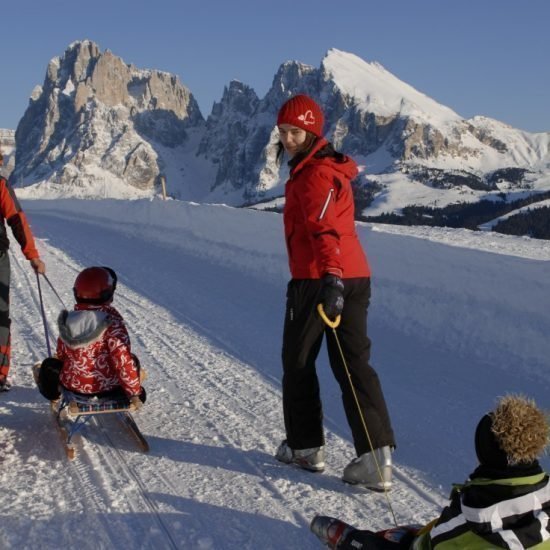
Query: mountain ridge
<point x="101" y="127"/>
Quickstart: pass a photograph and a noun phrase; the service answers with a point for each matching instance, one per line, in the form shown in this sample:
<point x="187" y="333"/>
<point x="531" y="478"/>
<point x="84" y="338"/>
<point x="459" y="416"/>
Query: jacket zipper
<point x="325" y="206"/>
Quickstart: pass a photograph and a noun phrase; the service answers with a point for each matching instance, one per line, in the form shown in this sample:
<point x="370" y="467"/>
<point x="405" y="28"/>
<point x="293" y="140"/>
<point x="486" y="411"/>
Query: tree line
<point x="534" y="222"/>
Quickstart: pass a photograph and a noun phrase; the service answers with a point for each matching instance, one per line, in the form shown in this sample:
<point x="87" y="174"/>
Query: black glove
<point x="332" y="295"/>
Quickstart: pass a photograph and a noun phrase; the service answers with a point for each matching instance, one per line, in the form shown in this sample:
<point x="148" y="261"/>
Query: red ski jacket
<point x="10" y="210"/>
<point x="319" y="217"/>
<point x="94" y="346"/>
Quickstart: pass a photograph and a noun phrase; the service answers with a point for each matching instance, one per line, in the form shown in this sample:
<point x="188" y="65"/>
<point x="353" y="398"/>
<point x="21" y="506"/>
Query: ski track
<point x="213" y="424"/>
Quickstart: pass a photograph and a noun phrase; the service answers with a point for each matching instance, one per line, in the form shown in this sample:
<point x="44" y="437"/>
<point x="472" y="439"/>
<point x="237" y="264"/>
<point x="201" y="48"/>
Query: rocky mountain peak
<point x="7" y="147"/>
<point x="96" y="117"/>
<point x="237" y="99"/>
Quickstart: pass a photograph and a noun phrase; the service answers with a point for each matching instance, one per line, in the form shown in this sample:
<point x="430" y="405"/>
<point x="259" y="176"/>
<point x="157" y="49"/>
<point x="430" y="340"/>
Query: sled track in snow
<point x="219" y="421"/>
<point x="118" y="462"/>
<point x="99" y="501"/>
<point x="231" y="409"/>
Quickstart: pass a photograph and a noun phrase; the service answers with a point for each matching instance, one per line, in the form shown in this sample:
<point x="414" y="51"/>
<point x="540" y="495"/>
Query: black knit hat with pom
<point x="488" y="450"/>
<point x="515" y="433"/>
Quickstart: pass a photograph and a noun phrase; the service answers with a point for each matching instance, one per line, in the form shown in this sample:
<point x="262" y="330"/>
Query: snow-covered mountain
<point x="96" y="119"/>
<point x="7" y="146"/>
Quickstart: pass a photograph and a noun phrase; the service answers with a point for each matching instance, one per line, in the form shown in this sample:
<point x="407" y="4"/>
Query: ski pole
<point x="54" y="291"/>
<point x="333" y="325"/>
<point x="43" y="316"/>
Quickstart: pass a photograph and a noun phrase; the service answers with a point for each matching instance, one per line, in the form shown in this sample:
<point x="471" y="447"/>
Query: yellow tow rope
<point x="333" y="325"/>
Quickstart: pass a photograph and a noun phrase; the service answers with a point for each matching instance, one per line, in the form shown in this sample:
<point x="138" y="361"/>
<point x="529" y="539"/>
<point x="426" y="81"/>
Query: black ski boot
<point x="331" y="531"/>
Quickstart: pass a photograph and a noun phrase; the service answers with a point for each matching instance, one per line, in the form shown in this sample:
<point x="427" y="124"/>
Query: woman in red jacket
<point x="328" y="266"/>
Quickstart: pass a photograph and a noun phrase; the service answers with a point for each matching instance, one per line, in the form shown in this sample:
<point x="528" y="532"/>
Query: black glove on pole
<point x="332" y="295"/>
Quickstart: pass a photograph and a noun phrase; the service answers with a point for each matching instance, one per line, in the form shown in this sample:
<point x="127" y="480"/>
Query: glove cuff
<point x="334" y="271"/>
<point x="329" y="279"/>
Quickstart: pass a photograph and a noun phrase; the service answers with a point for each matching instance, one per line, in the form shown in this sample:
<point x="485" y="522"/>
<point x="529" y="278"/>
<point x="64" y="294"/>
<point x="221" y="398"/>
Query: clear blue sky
<point x="486" y="57"/>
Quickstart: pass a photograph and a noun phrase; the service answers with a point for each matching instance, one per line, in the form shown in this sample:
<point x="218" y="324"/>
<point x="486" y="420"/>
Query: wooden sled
<point x="73" y="413"/>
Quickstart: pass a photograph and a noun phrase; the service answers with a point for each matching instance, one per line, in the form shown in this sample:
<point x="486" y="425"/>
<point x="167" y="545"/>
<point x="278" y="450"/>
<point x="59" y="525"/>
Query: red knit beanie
<point x="303" y="112"/>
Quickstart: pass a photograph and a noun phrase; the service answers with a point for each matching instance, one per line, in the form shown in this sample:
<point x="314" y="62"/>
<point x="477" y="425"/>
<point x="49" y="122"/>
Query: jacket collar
<point x="86" y="324"/>
<point x="520" y="470"/>
<point x="298" y="162"/>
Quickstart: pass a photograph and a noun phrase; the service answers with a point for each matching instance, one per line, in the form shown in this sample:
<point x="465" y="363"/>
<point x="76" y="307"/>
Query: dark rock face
<point x="95" y="113"/>
<point x="7" y="146"/>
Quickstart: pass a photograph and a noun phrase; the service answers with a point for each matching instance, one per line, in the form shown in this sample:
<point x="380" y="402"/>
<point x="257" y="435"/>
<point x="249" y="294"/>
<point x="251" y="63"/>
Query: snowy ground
<point x="457" y="319"/>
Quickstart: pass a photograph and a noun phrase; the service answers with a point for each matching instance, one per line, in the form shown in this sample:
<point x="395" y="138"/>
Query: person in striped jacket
<point x="505" y="503"/>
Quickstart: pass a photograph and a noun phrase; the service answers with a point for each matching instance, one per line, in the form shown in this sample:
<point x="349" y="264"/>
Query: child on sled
<point x="93" y="355"/>
<point x="505" y="503"/>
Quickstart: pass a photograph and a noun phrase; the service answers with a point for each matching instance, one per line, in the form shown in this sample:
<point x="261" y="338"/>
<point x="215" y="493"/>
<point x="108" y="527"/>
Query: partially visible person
<point x="328" y="266"/>
<point x="11" y="212"/>
<point x="505" y="503"/>
<point x="94" y="356"/>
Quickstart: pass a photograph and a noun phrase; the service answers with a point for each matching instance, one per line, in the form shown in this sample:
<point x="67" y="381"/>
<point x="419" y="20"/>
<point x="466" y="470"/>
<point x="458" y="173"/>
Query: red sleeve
<point x="121" y="359"/>
<point x="14" y="215"/>
<point x="317" y="202"/>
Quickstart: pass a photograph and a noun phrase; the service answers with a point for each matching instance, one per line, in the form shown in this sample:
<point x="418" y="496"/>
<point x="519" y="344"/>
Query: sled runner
<point x="73" y="412"/>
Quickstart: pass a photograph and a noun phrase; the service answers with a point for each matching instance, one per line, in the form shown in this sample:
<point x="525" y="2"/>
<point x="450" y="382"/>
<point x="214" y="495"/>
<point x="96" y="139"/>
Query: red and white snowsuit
<point x="94" y="347"/>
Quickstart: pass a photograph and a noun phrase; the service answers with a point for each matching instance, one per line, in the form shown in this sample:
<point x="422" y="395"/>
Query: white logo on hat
<point x="307" y="118"/>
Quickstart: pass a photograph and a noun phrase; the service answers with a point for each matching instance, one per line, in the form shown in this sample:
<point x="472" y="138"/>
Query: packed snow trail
<point x="202" y="290"/>
<point x="213" y="422"/>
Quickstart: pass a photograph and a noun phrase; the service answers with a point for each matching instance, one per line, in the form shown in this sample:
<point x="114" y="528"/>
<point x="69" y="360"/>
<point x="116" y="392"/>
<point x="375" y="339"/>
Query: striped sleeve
<point x="14" y="215"/>
<point x="504" y="516"/>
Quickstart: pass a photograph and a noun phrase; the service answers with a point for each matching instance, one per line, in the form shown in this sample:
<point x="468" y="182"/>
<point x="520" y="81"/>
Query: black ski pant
<point x="302" y="339"/>
<point x="368" y="540"/>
